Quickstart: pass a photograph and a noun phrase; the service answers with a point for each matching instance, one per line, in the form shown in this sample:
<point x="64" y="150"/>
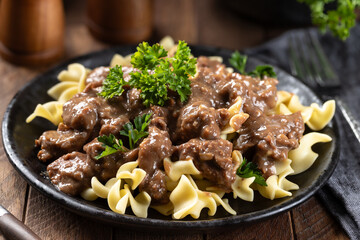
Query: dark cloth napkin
<point x="341" y="194"/>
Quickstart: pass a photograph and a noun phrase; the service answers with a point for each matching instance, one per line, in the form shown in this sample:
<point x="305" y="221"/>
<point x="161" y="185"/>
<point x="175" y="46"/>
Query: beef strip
<point x="272" y="136"/>
<point x="106" y="167"/>
<point x="113" y="125"/>
<point x="81" y="112"/>
<point x="97" y="76"/>
<point x="212" y="158"/>
<point x="200" y="117"/>
<point x="258" y="96"/>
<point x="56" y="143"/>
<point x="263" y="138"/>
<point x="86" y="116"/>
<point x="72" y="172"/>
<point x="153" y="150"/>
<point x="80" y="115"/>
<point x="197" y="120"/>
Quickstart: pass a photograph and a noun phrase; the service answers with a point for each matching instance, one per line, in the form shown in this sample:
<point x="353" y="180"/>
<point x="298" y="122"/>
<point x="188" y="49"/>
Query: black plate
<point x="18" y="140"/>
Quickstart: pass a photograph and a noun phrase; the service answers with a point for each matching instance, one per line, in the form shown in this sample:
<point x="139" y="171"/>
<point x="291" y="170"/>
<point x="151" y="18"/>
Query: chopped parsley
<point x="239" y="61"/>
<point x="250" y="169"/>
<point x="156" y="74"/>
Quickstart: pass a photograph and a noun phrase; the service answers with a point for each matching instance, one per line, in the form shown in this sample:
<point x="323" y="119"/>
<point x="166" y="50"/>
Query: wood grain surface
<point x="198" y="22"/>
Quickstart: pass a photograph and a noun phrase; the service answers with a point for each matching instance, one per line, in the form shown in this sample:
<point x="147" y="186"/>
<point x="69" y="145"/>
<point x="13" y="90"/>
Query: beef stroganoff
<point x="175" y="149"/>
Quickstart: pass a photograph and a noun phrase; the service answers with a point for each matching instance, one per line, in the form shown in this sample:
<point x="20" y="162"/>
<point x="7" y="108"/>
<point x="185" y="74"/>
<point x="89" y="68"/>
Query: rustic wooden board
<point x="12" y="186"/>
<point x="122" y="235"/>
<point x="312" y="221"/>
<point x="50" y="221"/>
<point x="278" y="227"/>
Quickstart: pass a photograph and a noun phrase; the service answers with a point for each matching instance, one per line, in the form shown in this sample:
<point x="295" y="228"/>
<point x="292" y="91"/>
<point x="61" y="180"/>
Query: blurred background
<point x="224" y="23"/>
<point x="38" y="27"/>
<point x="45" y="31"/>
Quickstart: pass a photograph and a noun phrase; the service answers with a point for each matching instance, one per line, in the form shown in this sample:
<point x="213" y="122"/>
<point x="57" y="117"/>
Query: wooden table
<point x="307" y="221"/>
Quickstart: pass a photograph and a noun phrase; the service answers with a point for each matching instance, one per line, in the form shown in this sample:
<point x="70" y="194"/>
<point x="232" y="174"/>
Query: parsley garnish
<point x="182" y="67"/>
<point x="262" y="71"/>
<point x="339" y="20"/>
<point x="156" y="74"/>
<point x="239" y="61"/>
<point x="135" y="134"/>
<point x="111" y="144"/>
<point x="147" y="57"/>
<point x="113" y="84"/>
<point x="250" y="169"/>
<point x="153" y="90"/>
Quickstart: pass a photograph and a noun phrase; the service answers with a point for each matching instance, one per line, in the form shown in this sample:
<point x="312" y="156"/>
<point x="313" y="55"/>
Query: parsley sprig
<point x="113" y="84"/>
<point x="139" y="131"/>
<point x="147" y="57"/>
<point x="182" y="66"/>
<point x="113" y="145"/>
<point x="239" y="61"/>
<point x="156" y="74"/>
<point x="250" y="169"/>
<point x="339" y="21"/>
<point x="263" y="70"/>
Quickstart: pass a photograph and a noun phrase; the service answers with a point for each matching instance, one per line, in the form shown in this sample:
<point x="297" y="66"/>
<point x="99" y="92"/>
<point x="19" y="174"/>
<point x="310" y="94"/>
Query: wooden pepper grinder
<point x="31" y="31"/>
<point x="120" y="21"/>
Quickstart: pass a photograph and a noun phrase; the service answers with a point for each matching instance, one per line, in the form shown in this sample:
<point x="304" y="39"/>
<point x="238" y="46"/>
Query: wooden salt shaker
<point x="31" y="31"/>
<point x="120" y="21"/>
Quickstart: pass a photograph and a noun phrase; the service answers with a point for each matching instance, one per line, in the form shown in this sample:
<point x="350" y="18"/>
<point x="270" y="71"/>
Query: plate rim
<point x="72" y="204"/>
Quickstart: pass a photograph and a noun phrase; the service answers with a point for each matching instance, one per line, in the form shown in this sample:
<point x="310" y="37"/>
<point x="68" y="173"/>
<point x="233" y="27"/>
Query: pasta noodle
<point x="120" y="60"/>
<point x="237" y="118"/>
<point x="303" y="157"/>
<point x="76" y="73"/>
<point x="315" y="117"/>
<point x="131" y="174"/>
<point x="72" y="81"/>
<point x="118" y="190"/>
<point x="120" y="198"/>
<point x="187" y="199"/>
<point x="176" y="169"/>
<point x="52" y="111"/>
<point x="241" y="187"/>
<point x="97" y="189"/>
<point x="277" y="185"/>
<point x="167" y="42"/>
